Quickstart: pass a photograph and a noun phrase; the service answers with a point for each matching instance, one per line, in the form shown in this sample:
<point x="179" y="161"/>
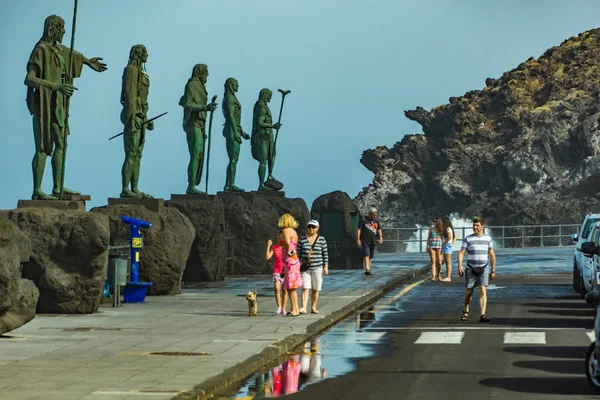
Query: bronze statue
<point x="194" y="103"/>
<point x="263" y="142"/>
<point x="49" y="88"/>
<point x="134" y="98"/>
<point x="232" y="131"/>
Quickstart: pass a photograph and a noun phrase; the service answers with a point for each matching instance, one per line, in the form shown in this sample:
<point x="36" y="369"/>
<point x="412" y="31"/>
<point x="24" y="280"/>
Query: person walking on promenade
<point x="291" y="264"/>
<point x="368" y="235"/>
<point x="448" y="239"/>
<point x="481" y="266"/>
<point x="434" y="248"/>
<point x="312" y="253"/>
<point x="275" y="250"/>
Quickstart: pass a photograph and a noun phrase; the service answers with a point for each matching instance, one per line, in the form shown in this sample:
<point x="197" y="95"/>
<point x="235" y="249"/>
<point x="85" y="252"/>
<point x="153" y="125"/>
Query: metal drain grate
<point x="178" y="353"/>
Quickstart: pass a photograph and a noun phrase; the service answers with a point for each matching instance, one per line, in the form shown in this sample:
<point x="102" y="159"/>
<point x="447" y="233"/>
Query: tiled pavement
<point x="108" y="355"/>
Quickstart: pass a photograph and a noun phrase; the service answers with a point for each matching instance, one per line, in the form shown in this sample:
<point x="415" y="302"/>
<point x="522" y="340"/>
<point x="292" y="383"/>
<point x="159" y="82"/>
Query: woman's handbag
<point x="305" y="262"/>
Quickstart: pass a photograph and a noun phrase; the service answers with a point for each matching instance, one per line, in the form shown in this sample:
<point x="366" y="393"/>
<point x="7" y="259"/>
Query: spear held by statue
<point x="143" y="123"/>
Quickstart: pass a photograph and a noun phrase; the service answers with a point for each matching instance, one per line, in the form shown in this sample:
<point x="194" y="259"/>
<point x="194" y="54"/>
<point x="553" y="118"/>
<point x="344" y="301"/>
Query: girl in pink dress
<point x="291" y="264"/>
<point x="277" y="250"/>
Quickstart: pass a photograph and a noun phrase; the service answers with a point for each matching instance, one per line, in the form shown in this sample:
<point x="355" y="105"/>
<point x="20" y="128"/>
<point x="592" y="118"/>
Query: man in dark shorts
<point x="368" y="235"/>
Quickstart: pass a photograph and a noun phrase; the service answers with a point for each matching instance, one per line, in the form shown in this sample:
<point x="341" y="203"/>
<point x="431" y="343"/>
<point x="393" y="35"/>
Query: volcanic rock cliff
<point x="523" y="150"/>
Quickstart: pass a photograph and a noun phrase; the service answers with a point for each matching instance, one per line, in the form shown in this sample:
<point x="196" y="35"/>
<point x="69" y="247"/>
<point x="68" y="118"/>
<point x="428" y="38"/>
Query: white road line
<point x="525" y="338"/>
<point x="591" y="336"/>
<point x="471" y="328"/>
<point x="405" y="290"/>
<point x="440" y="338"/>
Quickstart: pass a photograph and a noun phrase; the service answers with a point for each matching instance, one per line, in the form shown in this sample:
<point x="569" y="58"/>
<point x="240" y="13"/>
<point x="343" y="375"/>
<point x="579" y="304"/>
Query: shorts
<point x="312" y="279"/>
<point x="277" y="278"/>
<point x="447" y="249"/>
<point x="368" y="250"/>
<point x="473" y="280"/>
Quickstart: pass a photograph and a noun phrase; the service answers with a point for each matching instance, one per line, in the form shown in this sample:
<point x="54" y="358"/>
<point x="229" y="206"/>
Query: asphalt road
<point x="534" y="348"/>
<point x="411" y="344"/>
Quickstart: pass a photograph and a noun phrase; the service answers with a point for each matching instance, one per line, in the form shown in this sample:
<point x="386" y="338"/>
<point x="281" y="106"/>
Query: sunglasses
<point x="312" y="227"/>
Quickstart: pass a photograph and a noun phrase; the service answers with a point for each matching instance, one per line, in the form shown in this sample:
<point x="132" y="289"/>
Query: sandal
<point x="465" y="316"/>
<point x="484" y="318"/>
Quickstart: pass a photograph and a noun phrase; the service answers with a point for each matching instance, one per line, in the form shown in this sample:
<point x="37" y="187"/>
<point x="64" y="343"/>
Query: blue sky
<point x="353" y="68"/>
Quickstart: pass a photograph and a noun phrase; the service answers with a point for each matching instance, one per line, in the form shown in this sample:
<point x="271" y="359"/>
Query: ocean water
<point x="462" y="228"/>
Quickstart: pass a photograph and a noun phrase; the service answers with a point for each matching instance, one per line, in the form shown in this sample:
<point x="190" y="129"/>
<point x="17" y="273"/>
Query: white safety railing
<point x="402" y="239"/>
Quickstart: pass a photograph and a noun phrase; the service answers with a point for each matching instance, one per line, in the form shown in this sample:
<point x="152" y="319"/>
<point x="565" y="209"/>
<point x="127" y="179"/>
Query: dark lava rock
<point x="338" y="221"/>
<point x="206" y="262"/>
<point x="251" y="220"/>
<point x="69" y="257"/>
<point x="18" y="296"/>
<point x="167" y="243"/>
<point x="524" y="150"/>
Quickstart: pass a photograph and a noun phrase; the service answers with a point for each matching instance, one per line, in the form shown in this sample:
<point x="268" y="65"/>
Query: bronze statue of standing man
<point x="134" y="98"/>
<point x="48" y="94"/>
<point x="232" y="131"/>
<point x="194" y="102"/>
<point x="263" y="142"/>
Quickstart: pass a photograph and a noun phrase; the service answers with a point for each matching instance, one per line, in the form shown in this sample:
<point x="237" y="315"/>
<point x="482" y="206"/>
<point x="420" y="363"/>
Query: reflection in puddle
<point x="331" y="354"/>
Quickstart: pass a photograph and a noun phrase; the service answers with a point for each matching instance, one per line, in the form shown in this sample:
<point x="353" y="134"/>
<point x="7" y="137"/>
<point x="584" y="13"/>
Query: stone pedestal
<point x="193" y="197"/>
<point x="271" y="193"/>
<point x="245" y="195"/>
<point x="207" y="257"/>
<point x="70" y="202"/>
<point x="167" y="242"/>
<point x="156" y="205"/>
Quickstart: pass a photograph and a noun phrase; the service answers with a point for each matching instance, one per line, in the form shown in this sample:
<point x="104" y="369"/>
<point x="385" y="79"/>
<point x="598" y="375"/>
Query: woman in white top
<point x="448" y="239"/>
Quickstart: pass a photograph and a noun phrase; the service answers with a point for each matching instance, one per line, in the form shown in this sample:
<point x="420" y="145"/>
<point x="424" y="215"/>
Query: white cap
<point x="313" y="222"/>
<point x="372" y="210"/>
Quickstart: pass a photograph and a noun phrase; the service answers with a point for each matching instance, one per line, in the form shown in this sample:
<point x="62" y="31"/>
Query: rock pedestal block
<point x="69" y="257"/>
<point x="338" y="219"/>
<point x="251" y="220"/>
<point x="18" y="296"/>
<point x="206" y="262"/>
<point x="167" y="242"/>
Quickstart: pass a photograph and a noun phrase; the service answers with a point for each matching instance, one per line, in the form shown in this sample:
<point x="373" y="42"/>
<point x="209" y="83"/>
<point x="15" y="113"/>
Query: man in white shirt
<point x="481" y="266"/>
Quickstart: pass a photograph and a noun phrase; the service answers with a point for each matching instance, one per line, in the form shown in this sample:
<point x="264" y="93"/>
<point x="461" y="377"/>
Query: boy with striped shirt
<point x="481" y="266"/>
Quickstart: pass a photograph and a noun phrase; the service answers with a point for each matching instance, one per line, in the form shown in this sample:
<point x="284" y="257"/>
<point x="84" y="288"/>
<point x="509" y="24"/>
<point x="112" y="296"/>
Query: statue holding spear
<point x="51" y="70"/>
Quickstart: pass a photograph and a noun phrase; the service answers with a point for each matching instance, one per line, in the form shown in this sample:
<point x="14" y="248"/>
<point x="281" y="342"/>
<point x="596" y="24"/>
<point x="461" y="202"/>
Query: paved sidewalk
<point x="108" y="355"/>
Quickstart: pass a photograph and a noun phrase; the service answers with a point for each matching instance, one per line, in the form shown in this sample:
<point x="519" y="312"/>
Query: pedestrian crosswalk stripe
<point x="440" y="338"/>
<point x="591" y="336"/>
<point x="456" y="337"/>
<point x="525" y="338"/>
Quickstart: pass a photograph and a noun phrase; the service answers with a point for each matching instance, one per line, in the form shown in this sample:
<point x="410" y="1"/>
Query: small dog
<point x="252" y="304"/>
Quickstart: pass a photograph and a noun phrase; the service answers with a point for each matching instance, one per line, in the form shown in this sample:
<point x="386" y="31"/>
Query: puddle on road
<point x="334" y="353"/>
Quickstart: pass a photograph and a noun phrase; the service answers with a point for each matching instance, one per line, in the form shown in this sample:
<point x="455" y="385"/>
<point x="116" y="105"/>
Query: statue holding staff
<point x="262" y="140"/>
<point x="194" y="102"/>
<point x="49" y="88"/>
